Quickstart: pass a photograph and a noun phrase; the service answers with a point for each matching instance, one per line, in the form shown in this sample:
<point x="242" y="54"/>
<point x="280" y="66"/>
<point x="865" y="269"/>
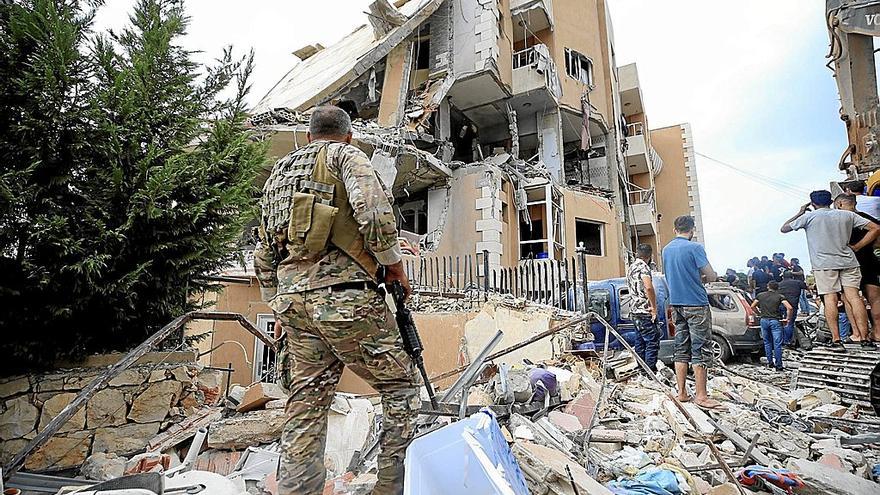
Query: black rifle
<point x="412" y="343"/>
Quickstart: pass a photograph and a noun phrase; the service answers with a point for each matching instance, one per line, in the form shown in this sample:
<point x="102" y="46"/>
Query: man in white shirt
<point x="835" y="266"/>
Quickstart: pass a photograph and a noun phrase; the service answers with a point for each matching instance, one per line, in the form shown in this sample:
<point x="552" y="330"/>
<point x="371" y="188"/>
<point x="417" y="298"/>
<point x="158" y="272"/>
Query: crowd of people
<point x="786" y="279"/>
<point x="842" y="240"/>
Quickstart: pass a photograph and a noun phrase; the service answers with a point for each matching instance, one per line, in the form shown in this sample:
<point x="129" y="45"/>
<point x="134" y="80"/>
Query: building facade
<point x="507" y="133"/>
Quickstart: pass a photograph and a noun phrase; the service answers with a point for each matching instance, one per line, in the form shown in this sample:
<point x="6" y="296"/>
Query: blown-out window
<point x="591" y="235"/>
<point x="579" y="67"/>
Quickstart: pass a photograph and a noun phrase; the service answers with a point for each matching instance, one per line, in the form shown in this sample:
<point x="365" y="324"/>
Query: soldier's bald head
<point x="330" y="122"/>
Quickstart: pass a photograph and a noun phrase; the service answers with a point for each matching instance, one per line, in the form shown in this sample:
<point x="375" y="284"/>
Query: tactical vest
<point x="319" y="213"/>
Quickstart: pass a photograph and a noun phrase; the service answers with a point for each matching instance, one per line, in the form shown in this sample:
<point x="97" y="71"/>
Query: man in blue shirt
<point x="687" y="268"/>
<point x="760" y="278"/>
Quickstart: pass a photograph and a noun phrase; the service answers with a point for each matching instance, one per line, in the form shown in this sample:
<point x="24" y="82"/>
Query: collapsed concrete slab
<point x="825" y="480"/>
<point x="549" y="471"/>
<point x="253" y="428"/>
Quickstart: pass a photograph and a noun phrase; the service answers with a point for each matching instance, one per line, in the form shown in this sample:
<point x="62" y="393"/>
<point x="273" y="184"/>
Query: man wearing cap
<point x="865" y="203"/>
<point x="835" y="266"/>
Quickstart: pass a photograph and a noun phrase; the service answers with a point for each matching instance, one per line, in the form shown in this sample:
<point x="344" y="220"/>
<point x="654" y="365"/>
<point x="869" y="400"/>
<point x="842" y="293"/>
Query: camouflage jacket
<point x="283" y="267"/>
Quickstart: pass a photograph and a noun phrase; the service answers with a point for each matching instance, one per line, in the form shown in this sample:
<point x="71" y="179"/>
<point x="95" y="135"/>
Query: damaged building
<point x="522" y="165"/>
<point x="509" y="136"/>
<point x="510" y="117"/>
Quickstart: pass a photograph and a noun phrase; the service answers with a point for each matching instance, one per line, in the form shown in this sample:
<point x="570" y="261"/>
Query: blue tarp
<point x="650" y="481"/>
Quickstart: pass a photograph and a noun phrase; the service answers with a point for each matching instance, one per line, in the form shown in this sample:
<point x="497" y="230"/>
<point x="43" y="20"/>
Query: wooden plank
<point x="837" y="364"/>
<point x="755" y="453"/>
<point x="748" y="452"/>
<point x="184" y="430"/>
<point x="862" y="439"/>
<point x="838" y="369"/>
<point x="820" y="375"/>
<point x="848" y="357"/>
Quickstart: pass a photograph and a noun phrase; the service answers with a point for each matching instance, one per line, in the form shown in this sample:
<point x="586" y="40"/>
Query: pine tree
<point x="125" y="176"/>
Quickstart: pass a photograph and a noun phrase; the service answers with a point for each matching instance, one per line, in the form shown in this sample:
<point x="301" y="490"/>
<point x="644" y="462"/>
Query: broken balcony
<point x="643" y="211"/>
<point x="630" y="90"/>
<point x="535" y="72"/>
<point x="638" y="160"/>
<point x="530" y="16"/>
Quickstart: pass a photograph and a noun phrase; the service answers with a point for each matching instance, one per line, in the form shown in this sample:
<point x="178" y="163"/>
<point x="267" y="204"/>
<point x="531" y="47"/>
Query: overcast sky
<point x="749" y="75"/>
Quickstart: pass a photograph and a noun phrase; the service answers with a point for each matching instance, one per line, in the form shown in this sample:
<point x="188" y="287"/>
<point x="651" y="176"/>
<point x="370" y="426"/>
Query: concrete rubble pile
<point x="564" y="419"/>
<point x="240" y="443"/>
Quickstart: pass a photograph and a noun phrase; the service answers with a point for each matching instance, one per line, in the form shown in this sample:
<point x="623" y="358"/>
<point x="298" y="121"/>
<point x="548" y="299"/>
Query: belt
<point x="354" y="285"/>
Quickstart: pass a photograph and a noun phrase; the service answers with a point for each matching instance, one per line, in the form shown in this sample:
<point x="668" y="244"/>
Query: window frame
<point x="624" y="303"/>
<point x="603" y="252"/>
<point x="262" y="370"/>
<point x="716" y="296"/>
<point x="574" y="65"/>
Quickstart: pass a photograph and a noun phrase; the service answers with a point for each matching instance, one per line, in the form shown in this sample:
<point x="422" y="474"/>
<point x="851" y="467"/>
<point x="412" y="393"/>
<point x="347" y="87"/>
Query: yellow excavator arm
<point x="852" y="24"/>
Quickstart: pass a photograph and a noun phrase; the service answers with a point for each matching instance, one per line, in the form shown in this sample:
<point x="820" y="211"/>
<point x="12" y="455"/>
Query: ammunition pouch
<point x="311" y="221"/>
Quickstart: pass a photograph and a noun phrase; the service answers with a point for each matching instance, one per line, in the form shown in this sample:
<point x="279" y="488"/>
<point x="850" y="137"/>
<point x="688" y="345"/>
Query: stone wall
<point x="137" y="404"/>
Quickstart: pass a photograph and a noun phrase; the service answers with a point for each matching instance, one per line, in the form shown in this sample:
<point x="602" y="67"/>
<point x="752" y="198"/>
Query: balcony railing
<point x="642" y="207"/>
<point x="460" y="279"/>
<point x="638" y="195"/>
<point x="635" y="129"/>
<point x="534" y="15"/>
<point x="524" y="58"/>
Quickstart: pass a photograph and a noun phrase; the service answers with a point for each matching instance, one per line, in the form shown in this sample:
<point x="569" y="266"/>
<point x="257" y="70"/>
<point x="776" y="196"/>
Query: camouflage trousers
<point x="326" y="330"/>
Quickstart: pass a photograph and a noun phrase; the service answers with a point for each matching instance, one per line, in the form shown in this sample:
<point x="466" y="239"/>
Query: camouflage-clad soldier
<point x="326" y="227"/>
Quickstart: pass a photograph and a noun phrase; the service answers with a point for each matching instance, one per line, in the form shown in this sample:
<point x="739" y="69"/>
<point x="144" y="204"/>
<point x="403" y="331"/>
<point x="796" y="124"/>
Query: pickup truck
<point x="735" y="328"/>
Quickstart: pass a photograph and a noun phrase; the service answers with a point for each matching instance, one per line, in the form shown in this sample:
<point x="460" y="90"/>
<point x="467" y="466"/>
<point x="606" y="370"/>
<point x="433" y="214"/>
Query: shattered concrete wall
<point x="550" y="142"/>
<point x="459" y="235"/>
<point x="518" y="325"/>
<point x="441" y="37"/>
<point x="480" y="215"/>
<point x="123" y="417"/>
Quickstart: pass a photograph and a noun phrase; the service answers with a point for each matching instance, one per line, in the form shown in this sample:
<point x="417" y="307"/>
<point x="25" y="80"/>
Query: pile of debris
<point x="578" y="422"/>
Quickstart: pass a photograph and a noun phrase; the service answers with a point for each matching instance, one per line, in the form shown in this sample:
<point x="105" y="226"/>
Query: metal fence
<point x="558" y="283"/>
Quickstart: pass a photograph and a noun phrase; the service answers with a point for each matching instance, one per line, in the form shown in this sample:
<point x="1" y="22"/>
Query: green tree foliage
<point x="126" y="175"/>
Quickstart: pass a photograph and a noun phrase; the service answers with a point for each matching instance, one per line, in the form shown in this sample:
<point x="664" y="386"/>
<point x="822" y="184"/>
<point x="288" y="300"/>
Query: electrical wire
<point x="771" y="182"/>
<point x="783" y="183"/>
